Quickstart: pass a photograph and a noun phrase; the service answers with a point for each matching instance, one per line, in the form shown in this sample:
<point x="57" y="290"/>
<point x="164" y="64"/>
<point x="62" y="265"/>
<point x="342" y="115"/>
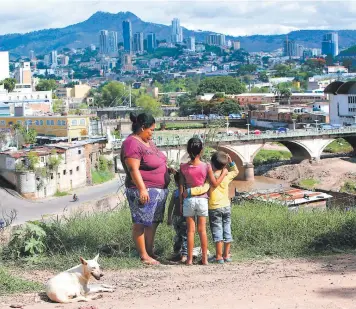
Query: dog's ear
<point x="84" y="262"/>
<point x="96" y="258"/>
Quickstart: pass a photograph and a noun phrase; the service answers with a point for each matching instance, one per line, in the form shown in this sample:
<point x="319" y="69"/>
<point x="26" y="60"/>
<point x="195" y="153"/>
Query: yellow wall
<point x="80" y="91"/>
<point x="61" y="126"/>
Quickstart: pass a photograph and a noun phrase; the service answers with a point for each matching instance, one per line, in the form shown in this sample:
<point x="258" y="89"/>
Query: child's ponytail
<point x="194" y="147"/>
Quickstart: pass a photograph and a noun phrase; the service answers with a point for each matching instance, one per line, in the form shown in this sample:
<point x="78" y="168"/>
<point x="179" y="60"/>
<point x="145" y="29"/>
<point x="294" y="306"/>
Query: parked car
<point x="235" y="116"/>
<point x="282" y="130"/>
<point x="256" y="132"/>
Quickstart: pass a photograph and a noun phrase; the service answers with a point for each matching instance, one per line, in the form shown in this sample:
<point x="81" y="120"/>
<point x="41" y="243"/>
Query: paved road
<point x="28" y="210"/>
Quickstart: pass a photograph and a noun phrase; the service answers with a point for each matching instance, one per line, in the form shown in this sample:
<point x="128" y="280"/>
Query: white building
<point x="113" y="47"/>
<point x="191" y="43"/>
<point x="4" y="65"/>
<point x="23" y="73"/>
<point x="54" y="58"/>
<point x="342" y="102"/>
<point x="177" y="31"/>
<point x="236" y="45"/>
<point x="65" y="61"/>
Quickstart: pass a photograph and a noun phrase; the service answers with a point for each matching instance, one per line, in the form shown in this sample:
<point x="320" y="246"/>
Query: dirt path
<point x="328" y="283"/>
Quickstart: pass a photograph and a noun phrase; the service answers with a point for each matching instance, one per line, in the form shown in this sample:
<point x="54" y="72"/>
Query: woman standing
<point x="147" y="179"/>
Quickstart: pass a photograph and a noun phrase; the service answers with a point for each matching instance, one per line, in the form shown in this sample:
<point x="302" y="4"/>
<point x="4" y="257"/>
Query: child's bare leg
<point x="219" y="250"/>
<point x="190" y="238"/>
<point x="227" y="250"/>
<point x="203" y="239"/>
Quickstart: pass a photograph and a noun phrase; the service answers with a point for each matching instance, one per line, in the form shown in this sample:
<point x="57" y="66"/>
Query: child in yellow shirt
<point x="220" y="205"/>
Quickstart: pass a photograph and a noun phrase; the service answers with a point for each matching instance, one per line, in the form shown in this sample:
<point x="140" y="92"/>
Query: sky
<point x="228" y="17"/>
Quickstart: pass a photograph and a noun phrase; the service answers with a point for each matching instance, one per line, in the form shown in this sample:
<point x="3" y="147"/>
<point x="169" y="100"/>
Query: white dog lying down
<point x="72" y="286"/>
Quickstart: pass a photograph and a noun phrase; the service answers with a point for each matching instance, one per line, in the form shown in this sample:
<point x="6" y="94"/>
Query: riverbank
<point x="329" y="174"/>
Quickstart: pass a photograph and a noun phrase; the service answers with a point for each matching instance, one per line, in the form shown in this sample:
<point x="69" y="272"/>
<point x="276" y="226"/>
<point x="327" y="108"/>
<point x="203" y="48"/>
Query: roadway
<point x="34" y="210"/>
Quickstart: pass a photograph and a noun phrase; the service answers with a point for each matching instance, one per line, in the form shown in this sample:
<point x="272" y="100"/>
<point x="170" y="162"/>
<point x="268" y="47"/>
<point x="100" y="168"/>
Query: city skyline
<point x="230" y="18"/>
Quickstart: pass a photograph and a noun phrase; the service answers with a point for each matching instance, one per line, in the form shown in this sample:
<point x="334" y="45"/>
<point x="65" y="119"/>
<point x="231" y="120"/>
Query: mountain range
<point x="87" y="32"/>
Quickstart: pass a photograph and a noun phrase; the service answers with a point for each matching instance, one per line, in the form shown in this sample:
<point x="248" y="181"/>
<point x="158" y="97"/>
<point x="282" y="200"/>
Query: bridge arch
<point x="352" y="141"/>
<point x="299" y="151"/>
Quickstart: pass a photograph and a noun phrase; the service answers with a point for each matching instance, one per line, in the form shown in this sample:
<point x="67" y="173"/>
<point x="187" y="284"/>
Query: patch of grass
<point x="99" y="177"/>
<point x="349" y="187"/>
<point x="259" y="229"/>
<point x="308" y="183"/>
<point x="61" y="193"/>
<point x="339" y="146"/>
<point x="184" y="125"/>
<point x="10" y="284"/>
<point x="265" y="156"/>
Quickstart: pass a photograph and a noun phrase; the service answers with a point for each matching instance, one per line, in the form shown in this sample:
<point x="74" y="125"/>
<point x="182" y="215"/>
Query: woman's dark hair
<point x="194" y="147"/>
<point x="141" y="121"/>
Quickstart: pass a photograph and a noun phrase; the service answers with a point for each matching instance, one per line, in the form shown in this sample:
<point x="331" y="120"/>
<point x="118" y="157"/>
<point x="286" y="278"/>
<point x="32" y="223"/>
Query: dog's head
<point x="92" y="267"/>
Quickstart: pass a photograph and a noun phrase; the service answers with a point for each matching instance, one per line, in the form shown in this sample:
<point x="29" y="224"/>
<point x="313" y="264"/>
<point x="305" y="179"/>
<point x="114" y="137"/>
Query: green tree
<point x="247" y="69"/>
<point x="229" y="106"/>
<point x="227" y="84"/>
<point x="9" y="84"/>
<point x="29" y="136"/>
<point x="149" y="105"/>
<point x="282" y="70"/>
<point x="46" y="85"/>
<point x="263" y="77"/>
<point x="113" y="94"/>
<point x="33" y="160"/>
<point x="57" y="106"/>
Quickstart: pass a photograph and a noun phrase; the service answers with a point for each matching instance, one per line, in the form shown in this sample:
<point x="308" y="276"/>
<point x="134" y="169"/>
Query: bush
<point x="99" y="177"/>
<point x="349" y="187"/>
<point x="29" y="240"/>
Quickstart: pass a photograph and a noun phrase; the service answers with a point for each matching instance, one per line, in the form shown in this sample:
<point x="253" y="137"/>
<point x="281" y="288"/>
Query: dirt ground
<point x="327" y="283"/>
<point x="331" y="173"/>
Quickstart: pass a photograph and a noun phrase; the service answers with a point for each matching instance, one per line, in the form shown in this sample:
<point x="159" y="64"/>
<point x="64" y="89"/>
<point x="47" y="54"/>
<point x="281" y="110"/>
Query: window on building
<point x="82" y="122"/>
<point x="2" y="123"/>
<point x="74" y="122"/>
<point x="48" y="122"/>
<point x="64" y="172"/>
<point x="41" y="122"/>
<point x="37" y="123"/>
<point x="77" y="168"/>
<point x="52" y="122"/>
<point x="51" y="175"/>
<point x="42" y="159"/>
<point x="59" y="175"/>
<point x="19" y="122"/>
<point x="63" y="122"/>
<point x="70" y="172"/>
<point x="79" y="152"/>
<point x="10" y="123"/>
<point x="59" y="122"/>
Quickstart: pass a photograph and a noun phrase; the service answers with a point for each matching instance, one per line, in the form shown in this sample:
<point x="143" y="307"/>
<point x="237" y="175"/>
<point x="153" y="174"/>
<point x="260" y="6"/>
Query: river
<point x="260" y="183"/>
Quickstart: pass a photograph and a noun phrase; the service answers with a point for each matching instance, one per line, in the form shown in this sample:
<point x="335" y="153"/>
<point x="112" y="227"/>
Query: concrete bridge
<point x="124" y="125"/>
<point x="304" y="145"/>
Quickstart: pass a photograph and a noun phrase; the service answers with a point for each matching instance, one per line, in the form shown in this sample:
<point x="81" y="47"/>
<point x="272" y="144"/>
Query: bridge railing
<point x="181" y="140"/>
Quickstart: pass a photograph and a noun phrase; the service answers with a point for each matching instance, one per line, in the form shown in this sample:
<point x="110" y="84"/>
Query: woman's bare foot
<point x="188" y="263"/>
<point x="150" y="261"/>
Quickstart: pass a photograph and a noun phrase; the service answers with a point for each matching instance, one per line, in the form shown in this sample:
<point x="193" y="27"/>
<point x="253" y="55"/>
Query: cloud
<point x="229" y="17"/>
